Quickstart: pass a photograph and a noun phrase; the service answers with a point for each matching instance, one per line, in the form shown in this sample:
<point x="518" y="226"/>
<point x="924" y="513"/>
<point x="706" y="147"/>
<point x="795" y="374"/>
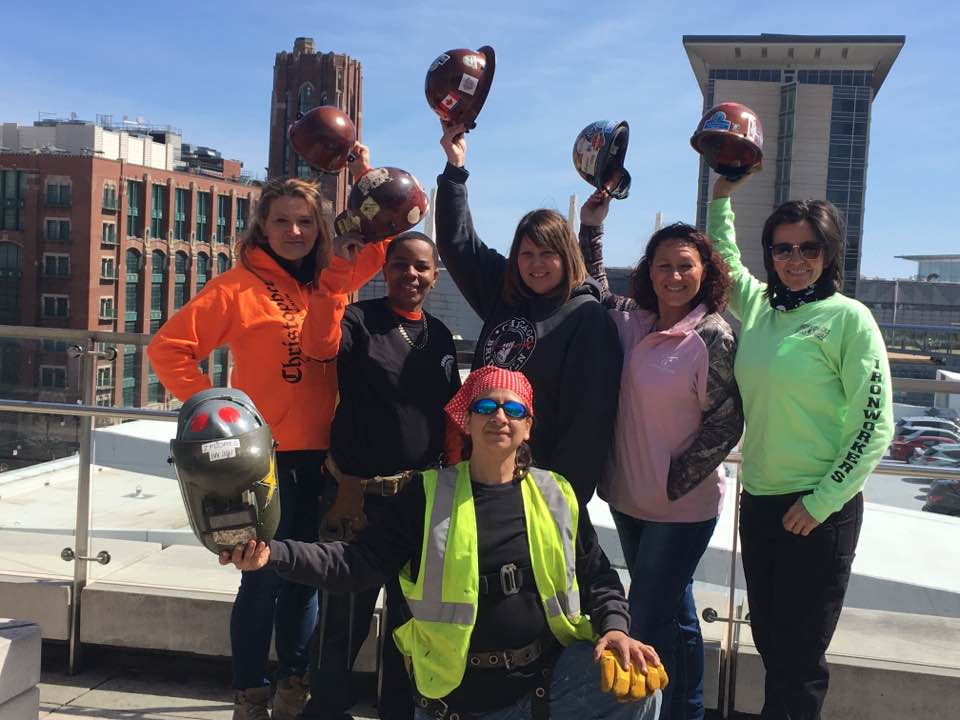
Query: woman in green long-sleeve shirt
<point x="813" y="372"/>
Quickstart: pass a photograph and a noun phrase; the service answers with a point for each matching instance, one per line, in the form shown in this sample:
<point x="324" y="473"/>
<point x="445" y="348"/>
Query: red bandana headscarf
<point x="479" y="382"/>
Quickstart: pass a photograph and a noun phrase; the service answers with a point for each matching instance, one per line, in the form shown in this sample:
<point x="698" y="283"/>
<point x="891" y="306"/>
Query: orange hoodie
<point x="261" y="313"/>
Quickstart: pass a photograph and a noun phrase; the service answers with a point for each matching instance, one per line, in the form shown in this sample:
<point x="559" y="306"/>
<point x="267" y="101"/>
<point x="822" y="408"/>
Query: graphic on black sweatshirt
<point x="510" y="344"/>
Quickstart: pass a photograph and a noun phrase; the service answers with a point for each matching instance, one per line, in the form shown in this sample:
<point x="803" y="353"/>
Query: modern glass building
<point x="936" y="268"/>
<point x="813" y="95"/>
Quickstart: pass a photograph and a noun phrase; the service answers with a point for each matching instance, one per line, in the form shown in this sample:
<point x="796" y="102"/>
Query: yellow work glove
<point x="632" y="684"/>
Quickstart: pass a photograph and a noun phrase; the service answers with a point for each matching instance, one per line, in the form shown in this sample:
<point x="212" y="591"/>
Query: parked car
<point x="946" y="436"/>
<point x="943" y="497"/>
<point x="903" y="449"/>
<point x="942" y="455"/>
<point x="927" y="421"/>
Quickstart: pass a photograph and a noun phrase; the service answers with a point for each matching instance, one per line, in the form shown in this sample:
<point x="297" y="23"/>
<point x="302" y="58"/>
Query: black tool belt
<point x="539" y="700"/>
<point x="509" y="659"/>
<point x="508" y="580"/>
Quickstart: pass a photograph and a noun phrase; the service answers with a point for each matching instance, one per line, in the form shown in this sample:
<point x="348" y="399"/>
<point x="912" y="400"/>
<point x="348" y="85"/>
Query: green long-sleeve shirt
<point x="815" y="383"/>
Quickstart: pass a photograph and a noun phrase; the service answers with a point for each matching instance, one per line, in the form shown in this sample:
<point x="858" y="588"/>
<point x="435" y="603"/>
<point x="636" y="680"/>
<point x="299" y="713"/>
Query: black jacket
<point x="568" y="350"/>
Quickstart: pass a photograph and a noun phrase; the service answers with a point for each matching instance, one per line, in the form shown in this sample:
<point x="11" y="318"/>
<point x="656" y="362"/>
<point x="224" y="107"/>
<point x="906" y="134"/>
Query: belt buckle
<point x="389" y="486"/>
<point x="442" y="709"/>
<point x="508" y="663"/>
<point x="508" y="579"/>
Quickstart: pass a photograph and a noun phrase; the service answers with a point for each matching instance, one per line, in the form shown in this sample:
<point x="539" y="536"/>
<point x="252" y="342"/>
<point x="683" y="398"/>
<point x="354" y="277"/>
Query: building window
<point x="158" y="289"/>
<point x="787" y="118"/>
<point x="53" y="376"/>
<point x="131" y="375"/>
<point x="243" y="207"/>
<point x="203" y="216"/>
<point x="155" y="393"/>
<point x="203" y="270"/>
<point x="134" y="203"/>
<point x="106" y="308"/>
<point x="108" y="269"/>
<point x="57" y="230"/>
<point x="11" y="275"/>
<point x="181" y="264"/>
<point x="109" y="196"/>
<point x="132" y="291"/>
<point x="55" y="306"/>
<point x="158" y="228"/>
<point x="109" y="234"/>
<point x="223" y="263"/>
<point x="181" y="199"/>
<point x="13" y="193"/>
<point x="105" y="378"/>
<point x="58" y="195"/>
<point x="223" y="213"/>
<point x="219" y="375"/>
<point x="55" y="265"/>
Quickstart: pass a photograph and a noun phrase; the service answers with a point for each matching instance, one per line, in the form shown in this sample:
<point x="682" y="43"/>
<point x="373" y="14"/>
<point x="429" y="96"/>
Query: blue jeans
<point x="575" y="694"/>
<point x="266" y="602"/>
<point x="661" y="558"/>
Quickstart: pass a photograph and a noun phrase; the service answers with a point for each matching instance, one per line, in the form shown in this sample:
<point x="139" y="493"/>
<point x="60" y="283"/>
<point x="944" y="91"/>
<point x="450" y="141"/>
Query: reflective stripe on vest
<point x="431" y="607"/>
<point x="568" y="602"/>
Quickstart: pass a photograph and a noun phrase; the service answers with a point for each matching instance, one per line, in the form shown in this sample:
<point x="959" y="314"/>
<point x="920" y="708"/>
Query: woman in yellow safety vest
<point x="515" y="610"/>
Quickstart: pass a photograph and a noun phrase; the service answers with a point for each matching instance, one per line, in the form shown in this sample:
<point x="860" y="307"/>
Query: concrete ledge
<point x="882" y="664"/>
<point x="23" y="706"/>
<point x="177" y="600"/>
<point x="44" y="601"/>
<point x="19" y="658"/>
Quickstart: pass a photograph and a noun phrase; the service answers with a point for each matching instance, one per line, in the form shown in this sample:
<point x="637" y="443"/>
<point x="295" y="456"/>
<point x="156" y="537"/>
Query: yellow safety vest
<point x="443" y="596"/>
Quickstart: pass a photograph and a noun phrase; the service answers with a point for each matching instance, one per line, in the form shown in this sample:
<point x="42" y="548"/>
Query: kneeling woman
<point x="496" y="561"/>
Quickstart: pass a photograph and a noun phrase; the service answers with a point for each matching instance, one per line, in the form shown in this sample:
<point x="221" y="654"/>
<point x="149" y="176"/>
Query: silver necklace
<point x="424" y="336"/>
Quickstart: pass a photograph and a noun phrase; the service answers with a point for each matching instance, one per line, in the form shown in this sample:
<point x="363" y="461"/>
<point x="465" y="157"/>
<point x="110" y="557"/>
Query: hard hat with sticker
<point x="384" y="202"/>
<point x="598" y="156"/>
<point x="458" y="82"/>
<point x="729" y="136"/>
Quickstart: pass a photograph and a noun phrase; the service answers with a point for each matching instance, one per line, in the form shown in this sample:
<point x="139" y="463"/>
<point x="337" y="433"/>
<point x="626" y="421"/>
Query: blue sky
<point x="207" y="68"/>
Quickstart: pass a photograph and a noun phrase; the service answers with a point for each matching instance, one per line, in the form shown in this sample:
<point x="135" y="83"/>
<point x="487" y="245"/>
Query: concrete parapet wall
<point x="19" y="669"/>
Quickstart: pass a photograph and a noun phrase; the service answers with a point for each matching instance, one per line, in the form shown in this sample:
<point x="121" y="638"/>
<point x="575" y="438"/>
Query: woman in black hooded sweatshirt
<point x="541" y="316"/>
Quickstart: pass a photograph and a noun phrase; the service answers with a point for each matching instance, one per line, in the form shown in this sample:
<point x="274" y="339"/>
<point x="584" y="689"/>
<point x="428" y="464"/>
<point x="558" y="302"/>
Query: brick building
<point x="106" y="244"/>
<point x="302" y="80"/>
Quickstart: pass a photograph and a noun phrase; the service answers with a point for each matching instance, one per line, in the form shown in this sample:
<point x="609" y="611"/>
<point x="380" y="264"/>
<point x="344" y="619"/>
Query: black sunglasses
<point x="511" y="408"/>
<point x="808" y="250"/>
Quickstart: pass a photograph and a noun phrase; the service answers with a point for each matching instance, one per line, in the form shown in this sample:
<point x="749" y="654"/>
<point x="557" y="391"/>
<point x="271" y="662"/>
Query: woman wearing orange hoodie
<point x="279" y="311"/>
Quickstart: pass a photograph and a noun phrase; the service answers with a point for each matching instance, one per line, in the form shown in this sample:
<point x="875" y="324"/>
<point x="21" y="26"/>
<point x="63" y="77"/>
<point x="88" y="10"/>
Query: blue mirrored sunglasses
<point x="511" y="408"/>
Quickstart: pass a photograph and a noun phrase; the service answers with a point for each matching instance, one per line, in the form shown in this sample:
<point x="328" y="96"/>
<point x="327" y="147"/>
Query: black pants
<point x="332" y="688"/>
<point x="796" y="587"/>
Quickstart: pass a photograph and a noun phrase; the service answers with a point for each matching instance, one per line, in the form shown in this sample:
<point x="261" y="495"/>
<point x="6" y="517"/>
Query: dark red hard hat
<point x="324" y="137"/>
<point x="458" y="82"/>
<point x="386" y="201"/>
<point x="730" y="138"/>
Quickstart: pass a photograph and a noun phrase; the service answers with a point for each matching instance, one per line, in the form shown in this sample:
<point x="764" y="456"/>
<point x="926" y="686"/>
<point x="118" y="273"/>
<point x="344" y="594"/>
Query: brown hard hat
<point x="458" y="82"/>
<point x="730" y="138"/>
<point x="324" y="137"/>
<point x="386" y="201"/>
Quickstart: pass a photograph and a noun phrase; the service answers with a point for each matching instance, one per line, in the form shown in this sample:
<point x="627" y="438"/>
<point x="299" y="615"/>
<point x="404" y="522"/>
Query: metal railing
<point x="90" y="346"/>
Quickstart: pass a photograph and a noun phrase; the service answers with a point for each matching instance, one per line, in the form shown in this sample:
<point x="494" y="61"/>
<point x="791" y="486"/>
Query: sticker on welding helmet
<point x="269" y="481"/>
<point x="474" y="62"/>
<point x="441" y="59"/>
<point x="346" y="222"/>
<point x="468" y="84"/>
<point x="369" y="208"/>
<point x="220" y="449"/>
<point x="413" y="217"/>
<point x="753" y="132"/>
